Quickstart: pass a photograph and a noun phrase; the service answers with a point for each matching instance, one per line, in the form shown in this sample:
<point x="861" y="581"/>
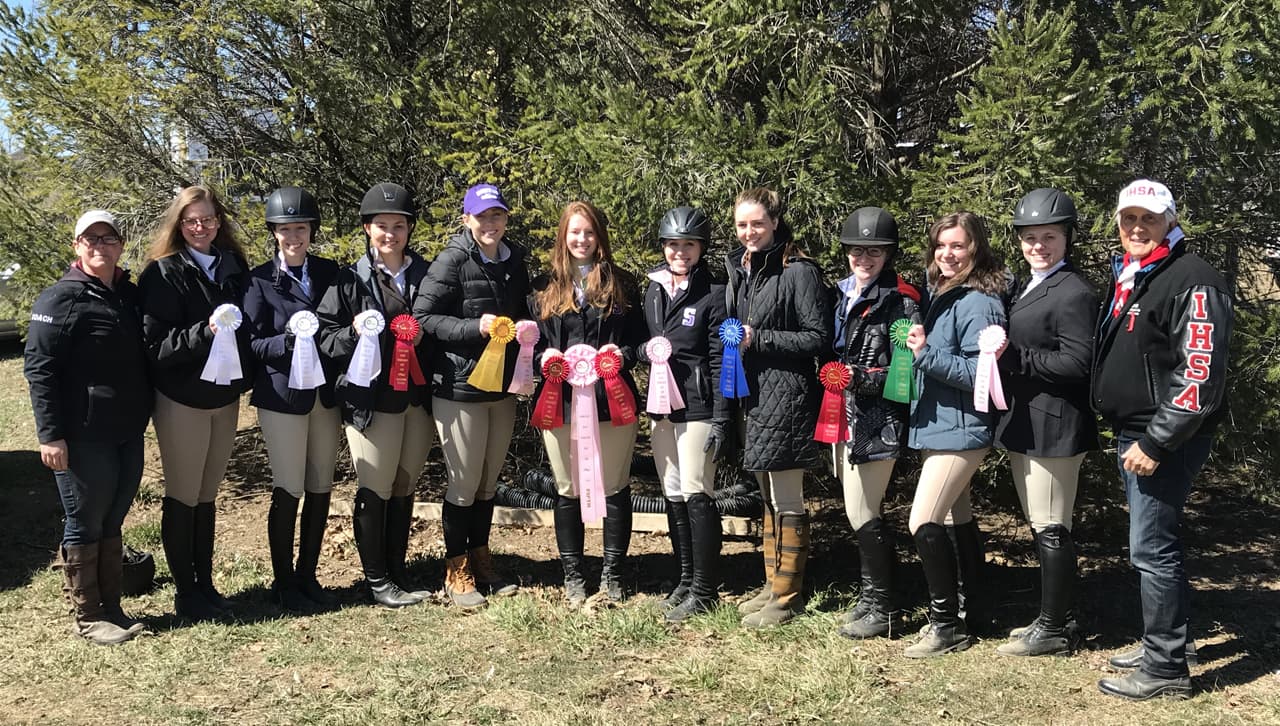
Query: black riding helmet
<point x="1045" y="206"/>
<point x="292" y="204"/>
<point x="685" y="223"/>
<point x="869" y="227"/>
<point x="387" y="198"/>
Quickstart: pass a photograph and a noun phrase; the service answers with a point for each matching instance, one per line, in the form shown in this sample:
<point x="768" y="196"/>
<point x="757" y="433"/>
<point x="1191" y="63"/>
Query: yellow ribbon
<point x="487" y="375"/>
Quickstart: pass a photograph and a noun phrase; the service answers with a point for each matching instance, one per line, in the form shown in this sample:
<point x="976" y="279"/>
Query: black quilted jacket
<point x="789" y="309"/>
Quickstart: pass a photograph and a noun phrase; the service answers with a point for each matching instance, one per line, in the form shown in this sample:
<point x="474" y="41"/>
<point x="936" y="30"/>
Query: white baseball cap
<point x="1150" y="195"/>
<point x="92" y="217"/>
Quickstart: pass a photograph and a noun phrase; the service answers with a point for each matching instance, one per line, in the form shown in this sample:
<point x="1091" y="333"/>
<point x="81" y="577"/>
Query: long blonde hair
<point x="167" y="238"/>
<point x="605" y="286"/>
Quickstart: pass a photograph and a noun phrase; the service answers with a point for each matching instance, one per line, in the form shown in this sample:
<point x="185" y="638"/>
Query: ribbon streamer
<point x="986" y="383"/>
<point x="305" y="371"/>
<point x="733" y="379"/>
<point x="900" y="381"/>
<point x="522" y="380"/>
<point x="487" y="375"/>
<point x="548" y="413"/>
<point x="223" y="365"/>
<point x="404" y="358"/>
<point x="585" y="432"/>
<point x="664" y="393"/>
<point x="366" y="360"/>
<point x="833" y="424"/>
<point x="622" y="403"/>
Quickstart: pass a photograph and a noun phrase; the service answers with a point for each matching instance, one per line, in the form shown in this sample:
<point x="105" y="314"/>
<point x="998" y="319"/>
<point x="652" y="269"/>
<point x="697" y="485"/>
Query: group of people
<point x="399" y="353"/>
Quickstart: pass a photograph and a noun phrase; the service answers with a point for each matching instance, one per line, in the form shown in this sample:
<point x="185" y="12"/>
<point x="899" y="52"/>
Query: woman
<point x="685" y="307"/>
<point x="585" y="299"/>
<point x="478" y="277"/>
<point x="389" y="430"/>
<point x="198" y="361"/>
<point x="299" y="420"/>
<point x="871" y="299"/>
<point x="1049" y="425"/>
<point x="780" y="299"/>
<point x="86" y="369"/>
<point x="965" y="281"/>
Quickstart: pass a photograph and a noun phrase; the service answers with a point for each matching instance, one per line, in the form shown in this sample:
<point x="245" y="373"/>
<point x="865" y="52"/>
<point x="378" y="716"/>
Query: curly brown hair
<point x="985" y="271"/>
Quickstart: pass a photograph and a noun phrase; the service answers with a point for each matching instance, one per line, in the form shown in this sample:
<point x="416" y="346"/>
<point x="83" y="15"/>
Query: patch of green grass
<point x="143" y="536"/>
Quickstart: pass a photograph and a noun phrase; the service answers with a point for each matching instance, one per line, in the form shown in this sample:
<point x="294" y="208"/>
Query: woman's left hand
<point x="54" y="455"/>
<point x="610" y="347"/>
<point x="747" y="335"/>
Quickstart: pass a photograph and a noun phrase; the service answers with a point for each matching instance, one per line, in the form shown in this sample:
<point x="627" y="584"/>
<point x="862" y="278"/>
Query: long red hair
<point x="605" y="286"/>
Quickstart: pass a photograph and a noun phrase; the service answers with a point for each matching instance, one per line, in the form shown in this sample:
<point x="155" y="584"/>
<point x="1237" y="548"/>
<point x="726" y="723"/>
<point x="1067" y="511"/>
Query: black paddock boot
<point x="570" y="538"/>
<point x="280" y="527"/>
<point x="370" y="522"/>
<point x="315" y="517"/>
<point x="704" y="546"/>
<point x="1050" y="633"/>
<point x="682" y="547"/>
<point x="399" y="524"/>
<point x="617" y="540"/>
<point x="177" y="534"/>
<point x="946" y="632"/>
<point x="975" y="595"/>
<point x="876" y="554"/>
<point x="206" y="524"/>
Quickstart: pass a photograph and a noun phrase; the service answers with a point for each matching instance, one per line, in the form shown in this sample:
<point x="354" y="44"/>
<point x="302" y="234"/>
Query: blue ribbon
<point x="733" y="379"/>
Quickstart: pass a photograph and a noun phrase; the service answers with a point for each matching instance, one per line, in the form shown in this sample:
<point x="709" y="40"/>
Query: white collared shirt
<point x="398" y="277"/>
<point x="667" y="280"/>
<point x="1039" y="277"/>
<point x="206" y="261"/>
<point x="305" y="280"/>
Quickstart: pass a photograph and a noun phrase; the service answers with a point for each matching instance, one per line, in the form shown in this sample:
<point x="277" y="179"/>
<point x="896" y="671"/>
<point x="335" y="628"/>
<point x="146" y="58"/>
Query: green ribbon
<point x="899" y="384"/>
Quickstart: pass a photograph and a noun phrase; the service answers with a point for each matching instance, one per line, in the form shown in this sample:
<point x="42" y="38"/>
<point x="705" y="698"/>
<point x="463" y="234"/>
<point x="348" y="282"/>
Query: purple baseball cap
<point x="482" y="197"/>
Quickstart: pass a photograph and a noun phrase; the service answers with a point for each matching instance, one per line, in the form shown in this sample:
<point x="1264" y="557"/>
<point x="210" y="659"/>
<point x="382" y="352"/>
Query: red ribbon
<point x="622" y="403"/>
<point x="404" y="359"/>
<point x="548" y="413"/>
<point x="833" y="425"/>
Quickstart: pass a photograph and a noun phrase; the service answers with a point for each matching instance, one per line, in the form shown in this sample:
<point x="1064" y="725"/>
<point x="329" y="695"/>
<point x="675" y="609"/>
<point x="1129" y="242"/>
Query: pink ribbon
<point x="664" y="394"/>
<point x="522" y="380"/>
<point x="986" y="384"/>
<point x="584" y="435"/>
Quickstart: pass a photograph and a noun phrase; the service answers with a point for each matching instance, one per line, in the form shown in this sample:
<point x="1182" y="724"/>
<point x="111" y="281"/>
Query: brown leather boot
<point x="81" y="571"/>
<point x="770" y="549"/>
<point x="786" y="599"/>
<point x="488" y="578"/>
<point x="111" y="583"/>
<point x="460" y="584"/>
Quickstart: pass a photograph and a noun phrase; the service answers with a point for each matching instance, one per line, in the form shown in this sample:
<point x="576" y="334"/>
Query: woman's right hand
<point x="916" y="340"/>
<point x="747" y="335"/>
<point x="54" y="455"/>
<point x="548" y="355"/>
<point x="486" y="323"/>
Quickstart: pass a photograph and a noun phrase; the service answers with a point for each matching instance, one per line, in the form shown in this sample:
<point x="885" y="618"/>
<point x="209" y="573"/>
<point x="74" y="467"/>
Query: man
<point x="1160" y="378"/>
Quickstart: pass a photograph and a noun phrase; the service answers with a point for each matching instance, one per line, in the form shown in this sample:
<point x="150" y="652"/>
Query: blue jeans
<point x="97" y="488"/>
<point x="1155" y="550"/>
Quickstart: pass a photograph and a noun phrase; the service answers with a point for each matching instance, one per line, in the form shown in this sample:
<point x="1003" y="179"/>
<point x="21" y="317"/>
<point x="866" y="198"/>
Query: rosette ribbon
<point x="404" y="358"/>
<point x="522" y="379"/>
<point x="899" y="382"/>
<point x="548" y="413"/>
<point x="622" y="403"/>
<point x="366" y="360"/>
<point x="584" y="434"/>
<point x="986" y="383"/>
<point x="487" y="375"/>
<point x="733" y="379"/>
<point x="305" y="371"/>
<point x="833" y="423"/>
<point x="664" y="393"/>
<point x="223" y="365"/>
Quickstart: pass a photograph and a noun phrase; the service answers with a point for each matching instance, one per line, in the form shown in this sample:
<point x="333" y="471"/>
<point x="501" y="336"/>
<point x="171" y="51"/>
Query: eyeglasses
<point x="867" y="251"/>
<point x="194" y="222"/>
<point x="101" y="240"/>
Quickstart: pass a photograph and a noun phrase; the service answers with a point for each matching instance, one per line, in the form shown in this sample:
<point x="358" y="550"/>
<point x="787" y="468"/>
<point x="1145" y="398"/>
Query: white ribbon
<point x="305" y="372"/>
<point x="366" y="361"/>
<point x="986" y="384"/>
<point x="223" y="365"/>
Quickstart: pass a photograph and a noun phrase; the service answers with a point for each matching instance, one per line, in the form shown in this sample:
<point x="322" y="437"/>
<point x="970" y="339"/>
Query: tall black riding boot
<point x="617" y="540"/>
<point x="975" y="587"/>
<point x="704" y="545"/>
<point x="177" y="534"/>
<point x="682" y="547"/>
<point x="315" y="517"/>
<point x="280" y="527"/>
<point x="876" y="554"/>
<point x="370" y="523"/>
<point x="569" y="540"/>
<point x="1051" y="633"/>
<point x="946" y="632"/>
<point x="399" y="524"/>
<point x="206" y="524"/>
